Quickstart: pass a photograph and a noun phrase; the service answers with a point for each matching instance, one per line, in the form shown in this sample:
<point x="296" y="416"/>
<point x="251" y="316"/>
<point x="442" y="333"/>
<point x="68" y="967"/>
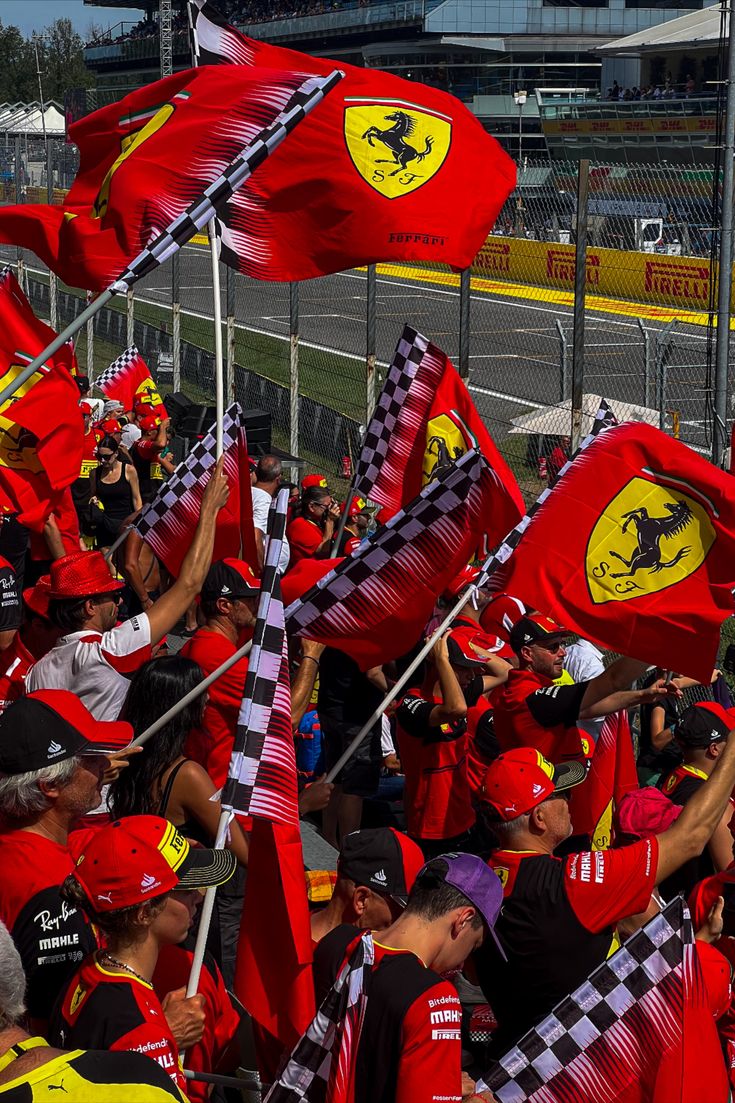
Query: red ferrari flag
<point x="129" y="381"/>
<point x="378" y="174"/>
<point x="634" y="548"/>
<point x="41" y="426"/>
<point x="375" y="604"/>
<point x="145" y="161"/>
<point x="423" y="421"/>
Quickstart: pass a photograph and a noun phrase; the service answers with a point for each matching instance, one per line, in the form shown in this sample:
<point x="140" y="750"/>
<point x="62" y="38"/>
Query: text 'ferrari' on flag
<point x="273" y="971"/>
<point x="639" y="1030"/>
<point x="167" y="524"/>
<point x="128" y="380"/>
<point x="423" y="421"/>
<point x="41" y="427"/>
<point x="633" y="548"/>
<point x="389" y="169"/>
<point x="156" y="167"/>
<point x="374" y="604"/>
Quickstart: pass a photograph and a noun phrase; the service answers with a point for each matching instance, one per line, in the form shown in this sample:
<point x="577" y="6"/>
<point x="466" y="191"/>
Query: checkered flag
<point x="328" y="1048"/>
<point x="604" y="419"/>
<point x="167" y="524"/>
<point x="311" y="92"/>
<point x="262" y="775"/>
<point x="401" y="412"/>
<point x="613" y="1031"/>
<point x="119" y="367"/>
<point x="212" y="40"/>
<point x="375" y="604"/>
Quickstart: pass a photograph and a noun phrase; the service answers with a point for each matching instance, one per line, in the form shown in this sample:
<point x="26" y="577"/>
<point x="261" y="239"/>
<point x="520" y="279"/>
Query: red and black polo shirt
<point x="530" y="710"/>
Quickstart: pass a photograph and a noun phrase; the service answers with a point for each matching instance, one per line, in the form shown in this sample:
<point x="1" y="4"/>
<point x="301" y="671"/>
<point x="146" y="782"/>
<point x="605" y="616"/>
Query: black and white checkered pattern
<point x="568" y="1056"/>
<point x="380" y="436"/>
<point x="262" y="775"/>
<point x="118" y="367"/>
<point x="311" y="92"/>
<point x="604" y="419"/>
<point x="332" y="1037"/>
<point x="212" y="40"/>
<point x="364" y="586"/>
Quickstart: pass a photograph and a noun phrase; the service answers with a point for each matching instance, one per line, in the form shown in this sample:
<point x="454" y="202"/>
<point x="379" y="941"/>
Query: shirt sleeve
<point x="554" y="705"/>
<point x="128" y="645"/>
<point x="261" y="506"/>
<point x="148" y="450"/>
<point x="605" y="886"/>
<point x="430" y="1066"/>
<point x="153" y="1041"/>
<point x="10" y="604"/>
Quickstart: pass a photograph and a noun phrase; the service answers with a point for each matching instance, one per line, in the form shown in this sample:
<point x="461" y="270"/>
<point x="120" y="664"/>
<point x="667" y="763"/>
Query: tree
<point x="61" y="52"/>
<point x="18" y="82"/>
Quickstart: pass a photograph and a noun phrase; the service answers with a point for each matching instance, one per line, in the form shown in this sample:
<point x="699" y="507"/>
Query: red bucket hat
<point x="37" y="597"/>
<point x="82" y="574"/>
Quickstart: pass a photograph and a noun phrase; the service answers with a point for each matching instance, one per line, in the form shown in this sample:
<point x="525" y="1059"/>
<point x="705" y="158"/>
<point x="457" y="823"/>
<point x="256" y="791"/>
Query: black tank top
<point x="550" y="952"/>
<point x="190" y="829"/>
<point x="117" y="497"/>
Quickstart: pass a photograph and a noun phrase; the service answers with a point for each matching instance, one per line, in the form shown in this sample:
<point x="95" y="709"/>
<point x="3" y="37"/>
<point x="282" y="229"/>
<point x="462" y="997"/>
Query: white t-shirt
<point x="93" y="665"/>
<point x="261" y="506"/>
<point x="130" y="434"/>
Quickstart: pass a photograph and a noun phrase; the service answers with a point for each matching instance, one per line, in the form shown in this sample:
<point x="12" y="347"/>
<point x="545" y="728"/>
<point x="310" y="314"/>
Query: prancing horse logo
<point x="397" y="158"/>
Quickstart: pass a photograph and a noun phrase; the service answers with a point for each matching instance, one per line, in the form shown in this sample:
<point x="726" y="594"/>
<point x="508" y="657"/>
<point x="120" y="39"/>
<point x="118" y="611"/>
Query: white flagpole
<point x="219" y="375"/>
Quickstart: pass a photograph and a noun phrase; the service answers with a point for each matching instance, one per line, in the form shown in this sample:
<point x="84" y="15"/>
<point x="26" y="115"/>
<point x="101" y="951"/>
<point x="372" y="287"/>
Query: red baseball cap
<point x="521" y="779"/>
<point x="37" y="597"/>
<point x="357" y="505"/>
<point x="462" y="653"/>
<point x="82" y="574"/>
<point x="313" y="480"/>
<point x="110" y="425"/>
<point x="140" y="857"/>
<point x="51" y="725"/>
<point x="383" y="860"/>
<point x="150" y="421"/>
<point x="86" y="409"/>
<point x="500" y="614"/>
<point x="460" y="582"/>
<point x="230" y="578"/>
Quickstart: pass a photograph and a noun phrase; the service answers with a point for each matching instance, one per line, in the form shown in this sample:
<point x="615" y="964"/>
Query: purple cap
<point x="475" y="880"/>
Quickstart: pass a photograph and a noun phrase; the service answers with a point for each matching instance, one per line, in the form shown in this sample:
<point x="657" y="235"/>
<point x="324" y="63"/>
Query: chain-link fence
<point x="313" y="355"/>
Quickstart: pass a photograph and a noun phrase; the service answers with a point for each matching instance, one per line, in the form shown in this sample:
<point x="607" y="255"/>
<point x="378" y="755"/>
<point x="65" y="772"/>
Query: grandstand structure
<point x="483" y="51"/>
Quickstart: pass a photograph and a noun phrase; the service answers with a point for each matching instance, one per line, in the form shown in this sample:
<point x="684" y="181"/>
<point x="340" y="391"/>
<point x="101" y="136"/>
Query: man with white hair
<point x="30" y="1069"/>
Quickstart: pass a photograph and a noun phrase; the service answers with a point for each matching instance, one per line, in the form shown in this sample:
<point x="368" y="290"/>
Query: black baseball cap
<point x="534" y="628"/>
<point x="703" y="724"/>
<point x="51" y="725"/>
<point x="381" y="859"/>
<point x="231" y="578"/>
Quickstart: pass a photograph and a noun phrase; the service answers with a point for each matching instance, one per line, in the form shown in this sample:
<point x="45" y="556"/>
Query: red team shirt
<point x="15" y="662"/>
<point x="304" y="537"/>
<point x="101" y="1009"/>
<point x="531" y="711"/>
<point x="211" y="745"/>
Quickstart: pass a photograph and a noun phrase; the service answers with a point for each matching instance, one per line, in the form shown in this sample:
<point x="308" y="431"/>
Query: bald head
<point x="268" y="471"/>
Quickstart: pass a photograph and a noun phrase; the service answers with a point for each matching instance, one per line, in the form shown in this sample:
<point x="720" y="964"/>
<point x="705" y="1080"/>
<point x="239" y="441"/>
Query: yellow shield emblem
<point x="447" y="438"/>
<point x="17" y="445"/>
<point x="503" y="874"/>
<point x="649" y="538"/>
<point x="395" y="146"/>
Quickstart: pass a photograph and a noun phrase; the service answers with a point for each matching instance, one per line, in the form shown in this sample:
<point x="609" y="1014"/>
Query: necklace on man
<point x="121" y="965"/>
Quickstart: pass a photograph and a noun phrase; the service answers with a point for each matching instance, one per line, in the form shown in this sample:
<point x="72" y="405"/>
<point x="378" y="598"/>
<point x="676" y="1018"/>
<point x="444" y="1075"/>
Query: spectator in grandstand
<point x="560" y="914"/>
<point x="311" y="533"/>
<point x="162" y="781"/>
<point x="267" y="484"/>
<point x="376" y="870"/>
<point x="138" y="881"/>
<point x="95" y="654"/>
<point x="53" y="756"/>
<point x="35" y="1069"/>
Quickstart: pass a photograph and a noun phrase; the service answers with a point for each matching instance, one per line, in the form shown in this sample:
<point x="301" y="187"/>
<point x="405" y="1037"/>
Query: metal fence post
<point x="464" y="323"/>
<point x="647" y="363"/>
<point x="230" y="333"/>
<point x="90" y="342"/>
<point x="370" y="346"/>
<point x="176" y="320"/>
<point x="52" y="285"/>
<point x="563" y="361"/>
<point x="662" y="349"/>
<point x="130" y="319"/>
<point x="293" y="325"/>
<point x="580" y="289"/>
<point x="724" y="277"/>
<point x="19" y="199"/>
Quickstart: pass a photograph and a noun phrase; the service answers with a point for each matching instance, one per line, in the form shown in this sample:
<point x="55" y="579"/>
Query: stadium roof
<point x="25" y="119"/>
<point x="698" y="29"/>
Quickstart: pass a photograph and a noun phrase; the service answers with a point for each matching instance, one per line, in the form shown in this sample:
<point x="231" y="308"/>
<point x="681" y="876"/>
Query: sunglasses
<point x="105" y="455"/>
<point x="553" y="648"/>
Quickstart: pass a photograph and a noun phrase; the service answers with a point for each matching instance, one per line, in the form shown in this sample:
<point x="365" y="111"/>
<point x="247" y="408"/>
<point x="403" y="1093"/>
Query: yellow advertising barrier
<point x="619" y="274"/>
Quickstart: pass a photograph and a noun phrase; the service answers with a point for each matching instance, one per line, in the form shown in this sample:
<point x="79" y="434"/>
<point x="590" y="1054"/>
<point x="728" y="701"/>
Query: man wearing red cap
<point x="310" y="534"/>
<point x="531" y="711"/>
<point x="53" y="755"/>
<point x="560" y="914"/>
<point x="355" y="529"/>
<point x="35" y="637"/>
<point x="96" y="653"/>
<point x="701" y="733"/>
<point x="146" y="454"/>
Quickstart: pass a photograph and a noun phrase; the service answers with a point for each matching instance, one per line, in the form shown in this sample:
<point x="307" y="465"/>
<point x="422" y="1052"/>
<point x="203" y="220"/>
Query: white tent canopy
<point x="556" y="420"/>
<point x="26" y="120"/>
<point x="698" y="28"/>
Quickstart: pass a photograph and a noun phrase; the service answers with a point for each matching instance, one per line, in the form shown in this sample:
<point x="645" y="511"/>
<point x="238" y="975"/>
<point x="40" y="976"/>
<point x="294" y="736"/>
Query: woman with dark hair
<point x="115" y="492"/>
<point x="161" y="781"/>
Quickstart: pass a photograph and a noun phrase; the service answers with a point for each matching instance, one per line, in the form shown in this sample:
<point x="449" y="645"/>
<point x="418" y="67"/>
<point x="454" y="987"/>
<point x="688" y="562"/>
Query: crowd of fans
<point x="462" y="822"/>
<point x="662" y="91"/>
